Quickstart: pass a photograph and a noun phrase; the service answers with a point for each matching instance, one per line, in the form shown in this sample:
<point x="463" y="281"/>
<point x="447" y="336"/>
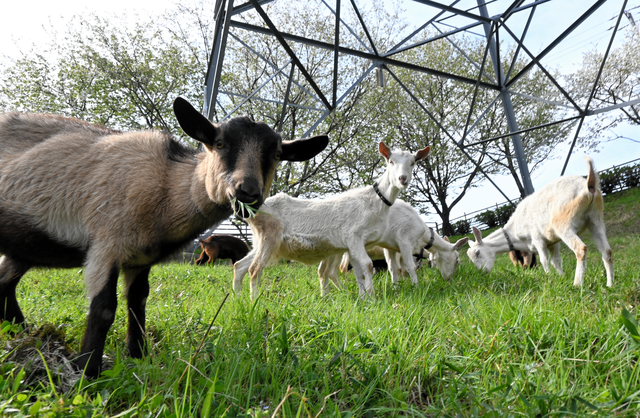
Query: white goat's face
<point x="400" y="164"/>
<point x="446" y="262"/>
<point x="480" y="256"/>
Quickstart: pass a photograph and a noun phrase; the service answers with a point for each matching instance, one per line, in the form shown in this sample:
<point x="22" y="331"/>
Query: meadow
<point x="510" y="343"/>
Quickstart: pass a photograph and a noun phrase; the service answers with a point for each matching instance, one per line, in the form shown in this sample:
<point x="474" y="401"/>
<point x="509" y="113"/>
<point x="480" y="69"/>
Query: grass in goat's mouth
<point x="244" y="208"/>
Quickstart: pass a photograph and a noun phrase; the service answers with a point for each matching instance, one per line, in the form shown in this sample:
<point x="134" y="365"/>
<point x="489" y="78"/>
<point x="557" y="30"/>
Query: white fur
<point x="559" y="211"/>
<point x="312" y="230"/>
<point x="405" y="235"/>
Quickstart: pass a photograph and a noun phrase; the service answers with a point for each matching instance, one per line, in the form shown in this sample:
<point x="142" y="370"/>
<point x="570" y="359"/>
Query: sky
<point x="24" y="23"/>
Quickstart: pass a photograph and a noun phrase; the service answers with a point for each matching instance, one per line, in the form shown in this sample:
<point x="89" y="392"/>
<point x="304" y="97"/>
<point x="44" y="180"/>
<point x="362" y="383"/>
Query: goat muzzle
<point x="245" y="209"/>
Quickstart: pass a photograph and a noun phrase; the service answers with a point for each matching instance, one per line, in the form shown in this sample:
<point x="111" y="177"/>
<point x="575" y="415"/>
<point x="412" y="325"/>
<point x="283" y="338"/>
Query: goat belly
<point x="307" y="249"/>
<point x="26" y="243"/>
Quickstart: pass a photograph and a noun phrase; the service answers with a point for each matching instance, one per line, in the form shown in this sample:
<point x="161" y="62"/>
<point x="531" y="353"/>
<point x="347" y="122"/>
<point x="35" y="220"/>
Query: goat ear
<point x="419" y="155"/>
<point x="460" y="243"/>
<point x="477" y="234"/>
<point x="193" y="123"/>
<point x="446" y="238"/>
<point x="303" y="149"/>
<point x="384" y="150"/>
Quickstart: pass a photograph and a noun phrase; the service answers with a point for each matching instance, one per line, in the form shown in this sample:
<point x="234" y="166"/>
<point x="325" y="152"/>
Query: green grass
<point x="509" y="343"/>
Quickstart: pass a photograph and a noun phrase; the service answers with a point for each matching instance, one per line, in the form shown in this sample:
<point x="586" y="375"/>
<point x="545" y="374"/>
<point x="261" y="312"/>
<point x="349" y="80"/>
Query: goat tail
<point x="593" y="180"/>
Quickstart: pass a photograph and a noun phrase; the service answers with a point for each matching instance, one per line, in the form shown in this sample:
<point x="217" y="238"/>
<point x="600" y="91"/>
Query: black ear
<point x="303" y="149"/>
<point x="193" y="123"/>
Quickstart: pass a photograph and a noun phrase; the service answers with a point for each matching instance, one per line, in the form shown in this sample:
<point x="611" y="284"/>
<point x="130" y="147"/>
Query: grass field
<point x="509" y="343"/>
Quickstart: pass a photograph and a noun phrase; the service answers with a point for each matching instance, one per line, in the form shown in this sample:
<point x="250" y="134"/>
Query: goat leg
<point x="11" y="271"/>
<point x="137" y="292"/>
<point x="102" y="312"/>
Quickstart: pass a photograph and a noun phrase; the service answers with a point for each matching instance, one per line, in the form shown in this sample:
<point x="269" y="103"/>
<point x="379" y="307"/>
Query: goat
<point x="77" y="194"/>
<point x="376" y="254"/>
<point x="524" y="259"/>
<point x="407" y="234"/>
<point x="221" y="247"/>
<point x="311" y="230"/>
<point x="559" y="211"/>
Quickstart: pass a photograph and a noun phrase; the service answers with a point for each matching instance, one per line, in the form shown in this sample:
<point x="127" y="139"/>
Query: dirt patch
<point x="43" y="354"/>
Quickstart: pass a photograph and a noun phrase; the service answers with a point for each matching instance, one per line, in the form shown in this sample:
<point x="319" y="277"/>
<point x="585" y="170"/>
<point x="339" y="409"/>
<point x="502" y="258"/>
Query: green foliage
<point x="618" y="83"/>
<point x="503" y="213"/>
<point x="609" y="181"/>
<point x="462" y="227"/>
<point x="619" y="178"/>
<point x="107" y="72"/>
<point x="489" y="218"/>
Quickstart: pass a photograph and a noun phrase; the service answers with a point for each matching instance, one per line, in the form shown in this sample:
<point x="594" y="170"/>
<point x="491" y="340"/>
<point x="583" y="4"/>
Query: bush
<point x="503" y="213"/>
<point x="461" y="227"/>
<point x="489" y="218"/>
<point x="609" y="180"/>
<point x="619" y="178"/>
<point x="631" y="176"/>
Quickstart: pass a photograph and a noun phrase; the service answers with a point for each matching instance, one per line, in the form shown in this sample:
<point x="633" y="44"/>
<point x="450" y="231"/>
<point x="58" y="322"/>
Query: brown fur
<point x="222" y="247"/>
<point x="524" y="259"/>
<point x="76" y="194"/>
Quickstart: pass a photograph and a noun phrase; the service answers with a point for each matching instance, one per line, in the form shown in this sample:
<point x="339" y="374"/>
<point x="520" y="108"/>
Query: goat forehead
<point x="402" y="157"/>
<point x="249" y="143"/>
<point x="243" y="130"/>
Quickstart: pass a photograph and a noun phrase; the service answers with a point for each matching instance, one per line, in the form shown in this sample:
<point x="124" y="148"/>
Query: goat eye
<point x="278" y="156"/>
<point x="219" y="145"/>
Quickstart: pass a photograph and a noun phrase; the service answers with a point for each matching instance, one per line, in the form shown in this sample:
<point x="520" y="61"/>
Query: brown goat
<point x="524" y="259"/>
<point x="222" y="247"/>
<point x="76" y="194"/>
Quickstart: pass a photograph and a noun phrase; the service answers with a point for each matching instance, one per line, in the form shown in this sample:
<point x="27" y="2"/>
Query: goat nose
<point x="248" y="192"/>
<point x="403" y="179"/>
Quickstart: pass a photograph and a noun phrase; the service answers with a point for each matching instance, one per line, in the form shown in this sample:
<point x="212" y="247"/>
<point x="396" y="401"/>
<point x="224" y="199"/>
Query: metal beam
<point x="399" y="44"/>
<point x="595" y="85"/>
<point x="289" y="51"/>
<point x="512" y="122"/>
<point x="559" y="39"/>
<point x="217" y="56"/>
<point x="286" y="99"/>
<point x="455" y="11"/>
<point x="365" y="55"/>
<point x="613" y="107"/>
<point x="521" y="131"/>
<point x="336" y="44"/>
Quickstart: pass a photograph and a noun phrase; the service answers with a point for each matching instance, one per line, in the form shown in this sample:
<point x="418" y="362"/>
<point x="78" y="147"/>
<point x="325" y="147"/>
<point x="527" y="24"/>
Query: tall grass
<point x="508" y="343"/>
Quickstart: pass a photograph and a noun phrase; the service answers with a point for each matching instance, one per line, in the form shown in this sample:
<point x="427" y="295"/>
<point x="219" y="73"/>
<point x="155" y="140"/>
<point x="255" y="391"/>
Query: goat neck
<point x="188" y="207"/>
<point x="499" y="244"/>
<point x="209" y="198"/>
<point x="386" y="188"/>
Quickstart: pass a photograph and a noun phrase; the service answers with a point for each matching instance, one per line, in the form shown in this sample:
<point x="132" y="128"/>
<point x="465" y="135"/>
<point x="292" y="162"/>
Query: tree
<point x="124" y="77"/>
<point x="619" y="83"/>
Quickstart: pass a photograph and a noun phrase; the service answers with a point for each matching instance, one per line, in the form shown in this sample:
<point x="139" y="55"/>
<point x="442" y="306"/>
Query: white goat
<point x="311" y="230"/>
<point x="406" y="235"/>
<point x="558" y="212"/>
